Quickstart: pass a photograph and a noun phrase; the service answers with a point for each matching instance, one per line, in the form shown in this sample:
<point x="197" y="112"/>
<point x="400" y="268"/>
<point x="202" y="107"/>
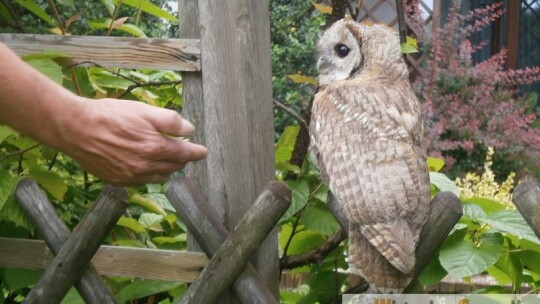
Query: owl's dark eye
<point x="342" y="50"/>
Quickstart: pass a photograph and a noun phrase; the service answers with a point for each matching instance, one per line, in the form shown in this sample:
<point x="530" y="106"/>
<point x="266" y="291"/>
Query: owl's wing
<point x="368" y="138"/>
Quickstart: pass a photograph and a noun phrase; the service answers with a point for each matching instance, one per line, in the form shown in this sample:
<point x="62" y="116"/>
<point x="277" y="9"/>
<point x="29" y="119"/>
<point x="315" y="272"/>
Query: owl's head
<point x="348" y="48"/>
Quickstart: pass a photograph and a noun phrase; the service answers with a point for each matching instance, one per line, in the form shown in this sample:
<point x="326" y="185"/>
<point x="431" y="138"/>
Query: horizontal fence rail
<point x="169" y="265"/>
<point x="119" y="52"/>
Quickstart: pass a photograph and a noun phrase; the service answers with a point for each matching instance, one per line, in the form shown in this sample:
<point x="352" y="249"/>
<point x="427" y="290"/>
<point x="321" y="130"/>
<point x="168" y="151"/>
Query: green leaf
<point x="131" y="224"/>
<point x="530" y="258"/>
<point x="161" y="200"/>
<point x="49" y="68"/>
<point x="36" y="10"/>
<point x="51" y="54"/>
<point x="50" y="182"/>
<point x="112" y="82"/>
<point x="6" y="132"/>
<point x="148" y="203"/>
<point x="286" y="166"/>
<point x="109" y="5"/>
<point x="151" y="221"/>
<point x="511" y="221"/>
<point x="20" y="278"/>
<point x="301" y="242"/>
<point x="443" y="183"/>
<point x="433" y="273"/>
<point x="147" y="7"/>
<point x="300" y="195"/>
<point x="323" y="286"/>
<point x="488" y="205"/>
<point x="12" y="212"/>
<point x="410" y="46"/>
<point x="143" y="288"/>
<point x="73" y="297"/>
<point x="285" y="145"/>
<point x="473" y="211"/>
<point x="105" y="23"/>
<point x="6" y="186"/>
<point x="318" y="218"/>
<point x="181" y="238"/>
<point x="68" y="3"/>
<point x="435" y="164"/>
<point x="298" y="78"/>
<point x="510" y="265"/>
<point x="466" y="258"/>
<point x="500" y="276"/>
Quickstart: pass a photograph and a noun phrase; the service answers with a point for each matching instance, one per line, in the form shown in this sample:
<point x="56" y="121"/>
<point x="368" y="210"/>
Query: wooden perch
<point x="76" y="253"/>
<point x="55" y="233"/>
<point x="229" y="263"/>
<point x="526" y="197"/>
<point x="444" y="211"/>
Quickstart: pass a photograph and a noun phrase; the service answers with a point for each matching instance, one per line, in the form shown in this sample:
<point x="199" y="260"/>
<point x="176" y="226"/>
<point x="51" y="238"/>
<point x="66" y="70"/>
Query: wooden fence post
<point x="76" y="253"/>
<point x="526" y="197"/>
<point x="236" y="102"/>
<point x="55" y="233"/>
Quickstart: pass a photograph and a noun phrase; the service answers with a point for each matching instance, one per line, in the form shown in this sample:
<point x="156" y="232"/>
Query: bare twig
<point x="401" y="21"/>
<point x="315" y="255"/>
<point x="149" y="84"/>
<point x="291" y="112"/>
<point x="20" y="152"/>
<point x="57" y="17"/>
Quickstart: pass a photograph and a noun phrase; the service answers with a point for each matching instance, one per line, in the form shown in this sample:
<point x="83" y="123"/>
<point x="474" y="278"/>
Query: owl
<point x="366" y="131"/>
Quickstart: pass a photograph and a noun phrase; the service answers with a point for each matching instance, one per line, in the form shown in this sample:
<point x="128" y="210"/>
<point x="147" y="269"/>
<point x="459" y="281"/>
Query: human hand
<point x="126" y="142"/>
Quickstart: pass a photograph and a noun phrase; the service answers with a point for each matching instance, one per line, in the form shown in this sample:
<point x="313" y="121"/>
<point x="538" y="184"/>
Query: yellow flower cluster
<point x="474" y="185"/>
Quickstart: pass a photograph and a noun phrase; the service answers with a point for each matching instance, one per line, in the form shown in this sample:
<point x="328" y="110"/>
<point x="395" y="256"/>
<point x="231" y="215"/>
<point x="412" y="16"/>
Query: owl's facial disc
<point x="339" y="55"/>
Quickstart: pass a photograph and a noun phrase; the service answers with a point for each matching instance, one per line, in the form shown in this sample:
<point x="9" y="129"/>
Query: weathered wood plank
<point x="37" y="207"/>
<point x="114" y="261"/>
<point x="238" y="114"/>
<point x="233" y="255"/>
<point x="207" y="229"/>
<point x="526" y="197"/>
<point x="75" y="255"/>
<point x="120" y="52"/>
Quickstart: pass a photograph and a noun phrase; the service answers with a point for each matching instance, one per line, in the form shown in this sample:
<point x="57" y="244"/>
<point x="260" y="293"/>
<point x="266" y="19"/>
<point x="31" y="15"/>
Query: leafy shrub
<point x="469" y="106"/>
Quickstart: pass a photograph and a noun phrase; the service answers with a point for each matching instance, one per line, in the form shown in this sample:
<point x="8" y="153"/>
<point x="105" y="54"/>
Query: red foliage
<point x="468" y="105"/>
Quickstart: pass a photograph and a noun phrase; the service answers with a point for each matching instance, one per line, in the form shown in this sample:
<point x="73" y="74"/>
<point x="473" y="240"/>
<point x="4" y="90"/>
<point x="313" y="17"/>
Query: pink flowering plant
<point x="469" y="106"/>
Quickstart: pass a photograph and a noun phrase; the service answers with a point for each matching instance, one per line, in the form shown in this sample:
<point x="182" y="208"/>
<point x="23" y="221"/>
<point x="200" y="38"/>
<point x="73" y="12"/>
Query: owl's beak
<point x="322" y="63"/>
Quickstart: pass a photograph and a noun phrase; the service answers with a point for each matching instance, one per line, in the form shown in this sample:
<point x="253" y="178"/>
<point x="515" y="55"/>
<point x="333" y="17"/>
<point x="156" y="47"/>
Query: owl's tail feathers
<point x="396" y="241"/>
<point x="366" y="261"/>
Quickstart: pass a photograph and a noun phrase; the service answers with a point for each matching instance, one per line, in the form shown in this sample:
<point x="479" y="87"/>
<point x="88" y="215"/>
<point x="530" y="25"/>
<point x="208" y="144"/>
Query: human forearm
<point x="32" y="103"/>
<point x="122" y="142"/>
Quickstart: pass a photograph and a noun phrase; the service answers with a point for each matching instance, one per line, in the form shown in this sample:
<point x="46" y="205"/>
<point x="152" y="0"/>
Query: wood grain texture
<point x="37" y="207"/>
<point x="76" y="253"/>
<point x="207" y="229"/>
<point x="119" y="52"/>
<point x="238" y="115"/>
<point x="445" y="210"/>
<point x="114" y="261"/>
<point x="233" y="255"/>
<point x="526" y="197"/>
<point x="193" y="106"/>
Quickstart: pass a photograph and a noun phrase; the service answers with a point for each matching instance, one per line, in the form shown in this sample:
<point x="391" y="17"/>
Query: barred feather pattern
<point x="366" y="132"/>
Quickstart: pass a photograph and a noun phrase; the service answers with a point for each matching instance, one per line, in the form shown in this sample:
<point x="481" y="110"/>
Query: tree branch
<point x="315" y="255"/>
<point x="291" y="112"/>
<point x="401" y="21"/>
